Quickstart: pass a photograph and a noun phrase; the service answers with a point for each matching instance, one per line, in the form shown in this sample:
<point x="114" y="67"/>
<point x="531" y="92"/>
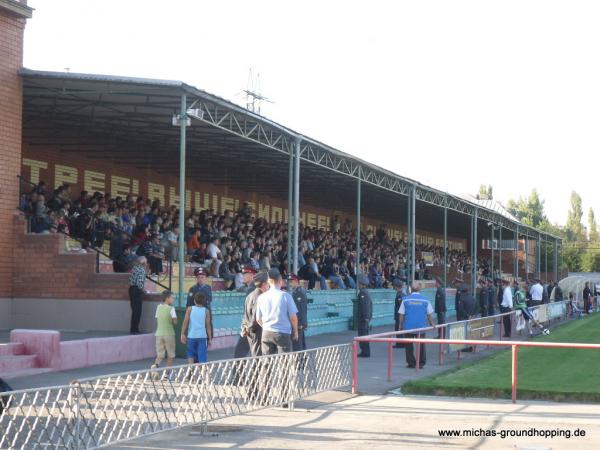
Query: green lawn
<point x="551" y="374"/>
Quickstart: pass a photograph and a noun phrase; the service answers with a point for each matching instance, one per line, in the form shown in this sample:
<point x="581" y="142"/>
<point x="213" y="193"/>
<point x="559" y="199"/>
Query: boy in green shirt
<point x="520" y="302"/>
<point x="166" y="319"/>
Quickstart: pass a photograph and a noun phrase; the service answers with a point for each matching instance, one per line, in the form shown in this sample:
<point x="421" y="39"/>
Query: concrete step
<point x="12" y="349"/>
<point x="14" y="374"/>
<point x="18" y="362"/>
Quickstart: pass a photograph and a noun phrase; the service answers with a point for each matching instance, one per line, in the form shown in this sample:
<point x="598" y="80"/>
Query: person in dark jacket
<point x="397" y="285"/>
<point x="469" y="304"/>
<point x="482" y="297"/>
<point x="587" y="294"/>
<point x="300" y="299"/>
<point x="365" y="314"/>
<point x="558" y="294"/>
<point x="440" y="305"/>
<point x="491" y="297"/>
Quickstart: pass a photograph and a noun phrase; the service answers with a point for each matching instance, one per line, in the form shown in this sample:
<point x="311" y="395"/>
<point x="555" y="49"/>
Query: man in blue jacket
<point x="415" y="312"/>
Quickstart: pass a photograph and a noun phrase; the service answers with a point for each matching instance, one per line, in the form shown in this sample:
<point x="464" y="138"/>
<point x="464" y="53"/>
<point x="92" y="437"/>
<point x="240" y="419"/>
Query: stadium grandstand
<point x="95" y="169"/>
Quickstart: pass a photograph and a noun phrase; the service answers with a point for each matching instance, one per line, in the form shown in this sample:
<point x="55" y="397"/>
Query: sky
<point x="453" y="94"/>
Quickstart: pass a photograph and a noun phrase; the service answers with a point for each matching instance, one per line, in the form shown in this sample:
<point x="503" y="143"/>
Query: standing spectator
<point x="397" y="285"/>
<point x="196" y="330"/>
<point x="415" y="312"/>
<point x="587" y="294"/>
<point x="482" y="297"/>
<point x="506" y="306"/>
<point x="200" y="286"/>
<point x="276" y="313"/>
<point x="166" y="319"/>
<point x="537" y="293"/>
<point x="301" y="301"/>
<point x="440" y="304"/>
<point x="136" y="293"/>
<point x="365" y="314"/>
<point x="469" y="304"/>
<point x="491" y="297"/>
<point x="557" y="292"/>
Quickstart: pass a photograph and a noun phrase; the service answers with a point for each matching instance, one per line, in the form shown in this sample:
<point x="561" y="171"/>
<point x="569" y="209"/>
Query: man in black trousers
<point x="136" y="293"/>
<point x="365" y="314"/>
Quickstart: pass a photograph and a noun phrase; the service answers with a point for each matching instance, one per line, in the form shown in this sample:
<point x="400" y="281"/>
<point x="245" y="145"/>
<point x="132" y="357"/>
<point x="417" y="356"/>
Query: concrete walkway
<point x="389" y="421"/>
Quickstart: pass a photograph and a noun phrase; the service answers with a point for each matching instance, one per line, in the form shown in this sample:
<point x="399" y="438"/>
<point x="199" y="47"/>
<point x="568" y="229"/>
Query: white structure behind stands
<point x="576" y="282"/>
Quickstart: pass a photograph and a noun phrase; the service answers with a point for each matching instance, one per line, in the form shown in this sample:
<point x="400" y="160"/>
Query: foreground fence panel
<point x="100" y="411"/>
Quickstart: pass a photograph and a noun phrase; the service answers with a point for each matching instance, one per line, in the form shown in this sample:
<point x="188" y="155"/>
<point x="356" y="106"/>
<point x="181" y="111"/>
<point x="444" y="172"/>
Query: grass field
<point x="550" y="374"/>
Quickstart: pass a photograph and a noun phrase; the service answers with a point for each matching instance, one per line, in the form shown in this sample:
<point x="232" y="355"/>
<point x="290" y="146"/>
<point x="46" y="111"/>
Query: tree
<point x="530" y="211"/>
<point x="591" y="261"/>
<point x="572" y="259"/>
<point x="593" y="236"/>
<point x="574" y="227"/>
<point x="485" y="192"/>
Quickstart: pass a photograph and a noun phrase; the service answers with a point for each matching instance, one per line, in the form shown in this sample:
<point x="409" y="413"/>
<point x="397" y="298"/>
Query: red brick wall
<point x="11" y="99"/>
<point x="42" y="270"/>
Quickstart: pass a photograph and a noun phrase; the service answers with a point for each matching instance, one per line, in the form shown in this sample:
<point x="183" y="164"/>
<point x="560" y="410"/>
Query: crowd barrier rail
<point x="457" y="336"/>
<point x="101" y="411"/>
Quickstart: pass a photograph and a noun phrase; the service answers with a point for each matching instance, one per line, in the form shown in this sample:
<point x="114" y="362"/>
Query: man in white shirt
<point x="506" y="306"/>
<point x="276" y="314"/>
<point x="213" y="250"/>
<point x="536" y="291"/>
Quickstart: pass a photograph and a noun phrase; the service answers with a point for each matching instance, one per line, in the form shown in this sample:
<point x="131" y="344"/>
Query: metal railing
<point x="452" y="336"/>
<point x="97" y="412"/>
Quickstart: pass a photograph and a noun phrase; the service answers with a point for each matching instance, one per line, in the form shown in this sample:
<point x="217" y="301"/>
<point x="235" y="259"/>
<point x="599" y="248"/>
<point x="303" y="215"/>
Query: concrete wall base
<point x="74" y="315"/>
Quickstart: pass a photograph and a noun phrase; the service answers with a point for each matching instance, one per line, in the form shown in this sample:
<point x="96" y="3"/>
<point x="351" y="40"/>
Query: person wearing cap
<point x="440" y="304"/>
<point x="301" y="300"/>
<point x="506" y="306"/>
<point x="251" y="330"/>
<point x="248" y="285"/>
<point x="137" y="279"/>
<point x="482" y="298"/>
<point x="166" y="319"/>
<point x="364" y="313"/>
<point x="461" y="311"/>
<point x="201" y="274"/>
<point x="468" y="303"/>
<point x="276" y="313"/>
<point x="415" y="312"/>
<point x="397" y="285"/>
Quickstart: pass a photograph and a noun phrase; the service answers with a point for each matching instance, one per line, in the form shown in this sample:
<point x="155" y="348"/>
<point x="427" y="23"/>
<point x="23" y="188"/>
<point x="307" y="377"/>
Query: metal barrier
<point x="513" y="344"/>
<point x="98" y="412"/>
<point x="454" y="335"/>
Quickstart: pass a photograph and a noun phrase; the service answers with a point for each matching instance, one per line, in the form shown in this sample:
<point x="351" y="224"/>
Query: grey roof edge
<point x="239" y="109"/>
<point x="17" y="8"/>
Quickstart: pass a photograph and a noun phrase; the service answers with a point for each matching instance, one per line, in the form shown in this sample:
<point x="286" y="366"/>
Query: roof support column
<point x="526" y="254"/>
<point x="446" y="244"/>
<point x="556" y="260"/>
<point x="538" y="256"/>
<point x="500" y="251"/>
<point x="516" y="261"/>
<point x="296" y="240"/>
<point x="358" y="208"/>
<point x="474" y="252"/>
<point x="182" y="202"/>
<point x="546" y="258"/>
<point x="493" y="228"/>
<point x="413" y="232"/>
<point x="290" y="210"/>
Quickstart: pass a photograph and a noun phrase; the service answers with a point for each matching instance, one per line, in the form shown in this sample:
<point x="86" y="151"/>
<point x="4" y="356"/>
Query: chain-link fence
<point x="100" y="411"/>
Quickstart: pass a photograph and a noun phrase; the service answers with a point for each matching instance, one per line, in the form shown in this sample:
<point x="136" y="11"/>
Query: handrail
<point x="469" y="342"/>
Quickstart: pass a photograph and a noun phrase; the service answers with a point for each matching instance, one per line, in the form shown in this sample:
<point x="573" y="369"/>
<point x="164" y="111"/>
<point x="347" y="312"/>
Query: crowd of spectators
<point x="225" y="243"/>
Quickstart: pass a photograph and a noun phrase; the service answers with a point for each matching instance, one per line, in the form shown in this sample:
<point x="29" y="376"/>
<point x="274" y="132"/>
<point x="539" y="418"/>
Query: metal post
<point x="181" y="241"/>
<point x="492" y="244"/>
<point x="408" y="233"/>
<point x="538" y="257"/>
<point x="413" y="232"/>
<point x="545" y="258"/>
<point x="556" y="260"/>
<point x="358" y="205"/>
<point x="526" y="254"/>
<point x="354" y="367"/>
<point x="445" y="245"/>
<point x="515" y="351"/>
<point x="296" y="239"/>
<point x="290" y="210"/>
<point x="516" y="262"/>
<point x="389" y="368"/>
<point x="474" y="259"/>
<point x="500" y="250"/>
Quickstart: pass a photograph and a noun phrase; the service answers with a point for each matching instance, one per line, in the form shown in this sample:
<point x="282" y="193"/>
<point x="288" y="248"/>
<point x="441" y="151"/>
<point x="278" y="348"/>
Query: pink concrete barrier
<point x="120" y="349"/>
<point x="73" y="355"/>
<point x="43" y="343"/>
